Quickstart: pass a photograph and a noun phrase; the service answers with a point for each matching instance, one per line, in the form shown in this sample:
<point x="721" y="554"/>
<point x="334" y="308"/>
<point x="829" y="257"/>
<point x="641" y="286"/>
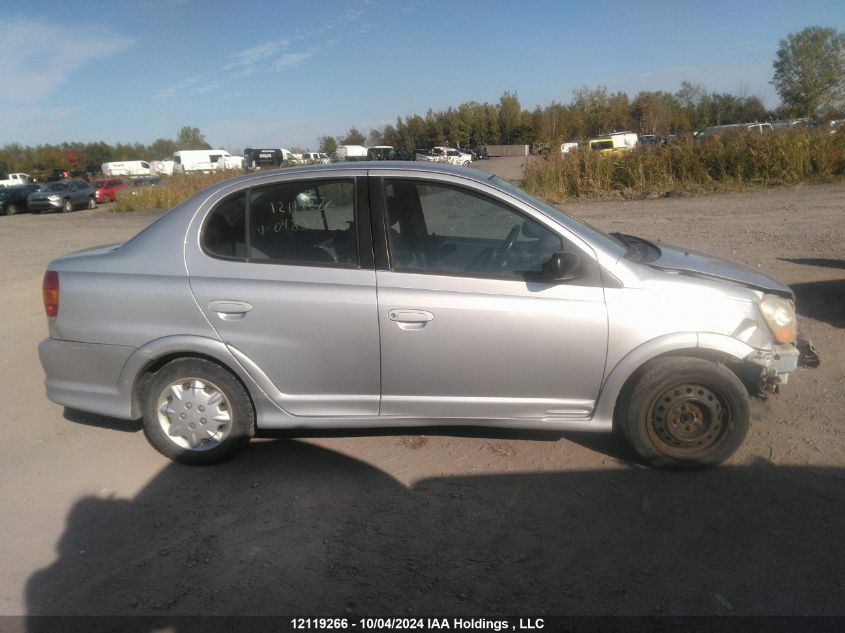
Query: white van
<point x="206" y="160"/>
<point x="126" y="168"/>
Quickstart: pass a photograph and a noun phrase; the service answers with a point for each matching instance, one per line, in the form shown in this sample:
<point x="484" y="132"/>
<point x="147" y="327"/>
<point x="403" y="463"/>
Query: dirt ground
<point x="447" y="522"/>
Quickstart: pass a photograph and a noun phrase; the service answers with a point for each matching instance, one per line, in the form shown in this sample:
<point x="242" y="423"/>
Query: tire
<point x="67" y="206"/>
<point x="175" y="400"/>
<point x="684" y="412"/>
<point x="11" y="209"/>
<point x="92" y="204"/>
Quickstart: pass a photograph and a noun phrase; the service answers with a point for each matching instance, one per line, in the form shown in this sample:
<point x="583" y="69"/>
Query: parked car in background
<point x="105" y="189"/>
<point x="314" y="158"/>
<point x="66" y="174"/>
<point x="13" y="200"/>
<point x="441" y="154"/>
<point x="255" y="159"/>
<point x="144" y="181"/>
<point x="13" y="180"/>
<point x="445" y="296"/>
<point x="63" y="195"/>
<point x="568" y="146"/>
<point x="380" y="152"/>
<point x="735" y="128"/>
<point x="402" y="154"/>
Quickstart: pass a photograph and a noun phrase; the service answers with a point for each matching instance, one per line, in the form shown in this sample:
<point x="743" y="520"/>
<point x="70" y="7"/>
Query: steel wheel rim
<point x="689" y="418"/>
<point x="195" y="414"/>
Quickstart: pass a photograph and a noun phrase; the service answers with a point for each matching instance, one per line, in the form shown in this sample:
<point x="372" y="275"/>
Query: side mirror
<point x="562" y="266"/>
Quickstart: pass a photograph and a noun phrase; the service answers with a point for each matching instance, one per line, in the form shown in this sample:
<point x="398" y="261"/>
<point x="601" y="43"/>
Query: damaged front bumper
<point x="769" y="369"/>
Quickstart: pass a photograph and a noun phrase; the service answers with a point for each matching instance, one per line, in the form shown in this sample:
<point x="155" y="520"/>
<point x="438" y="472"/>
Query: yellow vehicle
<point x="615" y="143"/>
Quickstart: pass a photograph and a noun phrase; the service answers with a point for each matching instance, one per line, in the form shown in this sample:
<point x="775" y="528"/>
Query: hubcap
<point x="195" y="414"/>
<point x="688" y="418"/>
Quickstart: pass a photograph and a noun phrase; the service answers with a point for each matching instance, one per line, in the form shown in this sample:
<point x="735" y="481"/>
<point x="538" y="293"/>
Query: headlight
<point x="779" y="314"/>
<point x="54" y="198"/>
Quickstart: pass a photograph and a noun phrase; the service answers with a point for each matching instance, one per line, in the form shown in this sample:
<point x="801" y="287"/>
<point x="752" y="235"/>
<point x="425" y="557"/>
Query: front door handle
<point x="410" y="319"/>
<point x="229" y="309"/>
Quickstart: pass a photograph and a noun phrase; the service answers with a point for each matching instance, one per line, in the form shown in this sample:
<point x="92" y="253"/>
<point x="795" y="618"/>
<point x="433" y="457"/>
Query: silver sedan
<point x="395" y="294"/>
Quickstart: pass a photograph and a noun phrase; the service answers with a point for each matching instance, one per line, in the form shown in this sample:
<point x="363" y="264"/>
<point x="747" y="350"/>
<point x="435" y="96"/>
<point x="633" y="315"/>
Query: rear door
<point x="285" y="277"/>
<point x="468" y="329"/>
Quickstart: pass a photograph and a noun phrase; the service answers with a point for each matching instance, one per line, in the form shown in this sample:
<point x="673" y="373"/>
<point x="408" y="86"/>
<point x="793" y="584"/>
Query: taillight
<point x="51" y="293"/>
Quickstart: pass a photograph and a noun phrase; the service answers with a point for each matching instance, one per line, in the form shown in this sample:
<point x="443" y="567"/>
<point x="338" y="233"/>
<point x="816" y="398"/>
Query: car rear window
<point x="301" y="222"/>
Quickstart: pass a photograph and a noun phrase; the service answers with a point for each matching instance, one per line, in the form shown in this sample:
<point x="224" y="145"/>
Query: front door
<point x="467" y="329"/>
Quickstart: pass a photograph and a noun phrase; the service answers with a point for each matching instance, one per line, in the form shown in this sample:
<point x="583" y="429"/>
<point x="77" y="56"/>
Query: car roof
<point x="370" y="166"/>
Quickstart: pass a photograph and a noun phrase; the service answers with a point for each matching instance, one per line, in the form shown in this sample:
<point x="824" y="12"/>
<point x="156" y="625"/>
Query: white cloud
<point x="39" y="56"/>
<point x="292" y="60"/>
<point x="185" y="85"/>
<point x="245" y="61"/>
<point x="274" y="56"/>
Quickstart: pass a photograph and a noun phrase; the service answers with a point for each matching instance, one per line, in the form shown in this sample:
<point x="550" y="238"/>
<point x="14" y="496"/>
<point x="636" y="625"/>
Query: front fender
<point x="603" y="414"/>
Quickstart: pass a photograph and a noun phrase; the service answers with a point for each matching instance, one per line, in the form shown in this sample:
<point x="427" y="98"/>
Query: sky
<point x="283" y="73"/>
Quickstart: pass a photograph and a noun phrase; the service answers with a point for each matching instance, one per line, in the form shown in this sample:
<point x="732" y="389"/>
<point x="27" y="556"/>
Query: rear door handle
<point x="229" y="309"/>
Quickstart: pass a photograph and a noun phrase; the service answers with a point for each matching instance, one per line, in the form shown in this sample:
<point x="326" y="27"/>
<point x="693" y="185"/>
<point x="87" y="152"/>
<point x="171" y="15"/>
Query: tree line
<point x="592" y="111"/>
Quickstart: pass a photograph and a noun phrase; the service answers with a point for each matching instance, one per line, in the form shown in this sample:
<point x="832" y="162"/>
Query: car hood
<point x="682" y="260"/>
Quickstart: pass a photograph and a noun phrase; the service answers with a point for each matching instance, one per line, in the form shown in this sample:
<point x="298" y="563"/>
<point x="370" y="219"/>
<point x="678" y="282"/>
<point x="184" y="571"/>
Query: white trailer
<point x="351" y="152"/>
<point x="205" y="160"/>
<point x="126" y="168"/>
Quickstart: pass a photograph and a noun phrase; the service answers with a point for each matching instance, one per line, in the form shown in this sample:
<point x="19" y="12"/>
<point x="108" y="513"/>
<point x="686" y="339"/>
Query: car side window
<point x="224" y="234"/>
<point x="304" y="222"/>
<point x="446" y="229"/>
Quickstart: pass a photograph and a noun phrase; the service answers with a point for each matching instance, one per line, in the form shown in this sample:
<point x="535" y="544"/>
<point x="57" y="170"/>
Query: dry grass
<point x="172" y="191"/>
<point x="734" y="161"/>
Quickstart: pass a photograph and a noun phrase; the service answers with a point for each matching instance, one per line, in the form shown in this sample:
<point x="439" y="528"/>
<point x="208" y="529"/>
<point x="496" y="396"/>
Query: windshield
<point x="587" y="231"/>
<point x="56" y="186"/>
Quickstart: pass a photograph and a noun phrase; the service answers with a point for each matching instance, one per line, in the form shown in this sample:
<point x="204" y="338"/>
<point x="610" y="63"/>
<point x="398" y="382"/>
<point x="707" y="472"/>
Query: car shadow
<point x="821" y="262"/>
<point x="102" y="421"/>
<point x="822" y="301"/>
<point x="289" y="528"/>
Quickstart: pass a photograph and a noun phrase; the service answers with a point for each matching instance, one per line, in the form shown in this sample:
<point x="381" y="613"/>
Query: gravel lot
<point x="449" y="522"/>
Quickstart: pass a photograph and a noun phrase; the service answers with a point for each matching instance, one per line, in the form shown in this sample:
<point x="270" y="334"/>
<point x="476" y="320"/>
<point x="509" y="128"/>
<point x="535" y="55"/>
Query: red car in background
<point x="107" y="188"/>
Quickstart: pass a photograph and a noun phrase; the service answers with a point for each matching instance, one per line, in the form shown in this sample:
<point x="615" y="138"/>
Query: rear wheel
<point x="67" y="206"/>
<point x="196" y="412"/>
<point x="92" y="204"/>
<point x="684" y="412"/>
<point x="11" y="209"/>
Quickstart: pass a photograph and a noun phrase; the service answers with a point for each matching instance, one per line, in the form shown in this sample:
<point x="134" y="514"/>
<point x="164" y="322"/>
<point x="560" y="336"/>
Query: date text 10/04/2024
<point x="416" y="624"/>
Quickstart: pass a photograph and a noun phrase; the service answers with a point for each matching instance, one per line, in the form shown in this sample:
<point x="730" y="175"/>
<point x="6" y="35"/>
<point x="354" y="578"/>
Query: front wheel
<point x="67" y="206"/>
<point x="196" y="412"/>
<point x="92" y="204"/>
<point x="684" y="412"/>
